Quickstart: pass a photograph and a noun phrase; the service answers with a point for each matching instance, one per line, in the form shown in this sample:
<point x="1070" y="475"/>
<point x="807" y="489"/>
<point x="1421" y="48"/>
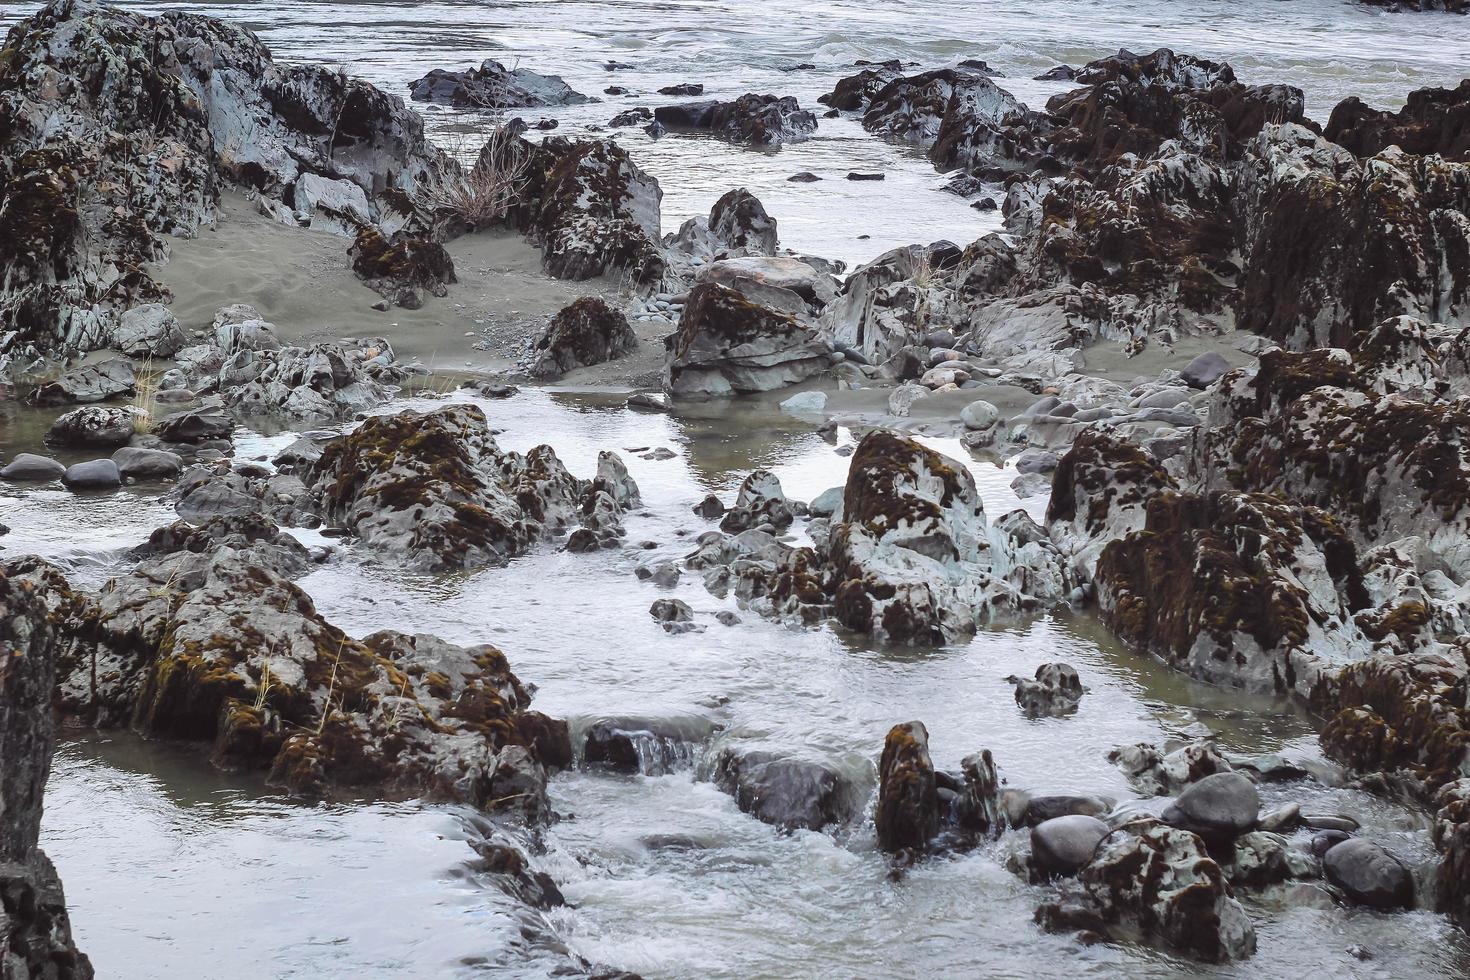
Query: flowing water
<point x="175" y="871"/>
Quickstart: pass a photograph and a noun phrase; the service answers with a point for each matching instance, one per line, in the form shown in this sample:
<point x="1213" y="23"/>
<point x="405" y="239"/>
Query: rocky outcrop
<point x="727" y="344"/>
<point x="751" y="120"/>
<point x="738" y="225"/>
<point x="492" y="87"/>
<point x="1433" y="120"/>
<point x="585" y="333"/>
<point x="209" y="646"/>
<point x="401" y="268"/>
<point x="436" y="490"/>
<point x="34" y="928"/>
<point x="186" y="107"/>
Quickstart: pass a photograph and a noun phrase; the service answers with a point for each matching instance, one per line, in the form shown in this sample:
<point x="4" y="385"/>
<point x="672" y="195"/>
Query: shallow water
<point x="1329" y="48"/>
<point x="174" y="870"/>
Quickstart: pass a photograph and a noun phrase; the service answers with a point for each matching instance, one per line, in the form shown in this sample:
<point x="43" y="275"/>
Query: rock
<point x="805" y="403"/>
<point x="436" y="489"/>
<point x="92" y="427"/>
<point x="1369" y="874"/>
<point x="671" y="611"/>
<point x="1042" y="808"/>
<point x="751" y="120"/>
<point x="1160" y="883"/>
<point x="1204" y="370"/>
<point x="647" y="746"/>
<point x="240" y="328"/>
<point x="1282" y="820"/>
<point x="401" y="268"/>
<point x="1260" y="859"/>
<point x="492" y="87"/>
<point x="979" y="416"/>
<point x="1156" y="773"/>
<point x="1037" y="461"/>
<point x="664" y="573"/>
<point x="760" y="500"/>
<point x="1029" y="485"/>
<point x="631" y="117"/>
<point x="1433" y="120"/>
<point x="195" y="426"/>
<point x="37" y="930"/>
<point x="907" y="815"/>
<point x="253" y="537"/>
<point x="585" y="333"/>
<point x="149" y="330"/>
<point x="321" y="382"/>
<point x="27" y="467"/>
<point x="147" y="464"/>
<point x="855" y="91"/>
<point x="727" y="344"/>
<point x="860" y="175"/>
<point x="93" y="383"/>
<point x="1055" y="691"/>
<point x="710" y="508"/>
<point x="793" y="794"/>
<point x="1064" y="845"/>
<point x="1218" y="807"/>
<point x="828" y="503"/>
<point x="805" y="177"/>
<point x="202" y="107"/>
<point x="683" y="88"/>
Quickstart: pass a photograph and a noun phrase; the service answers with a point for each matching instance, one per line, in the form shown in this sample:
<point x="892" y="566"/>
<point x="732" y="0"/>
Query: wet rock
<point x="907" y="815"/>
<point x="1056" y="690"/>
<point x="585" y="333"/>
<point x="805" y="177"/>
<point x="37" y="930"/>
<point x="253" y="537"/>
<point x="28" y="467"/>
<point x="760" y="500"/>
<point x="1218" y="807"/>
<point x="979" y="416"/>
<point x="855" y="91"/>
<point x="239" y="327"/>
<point x="401" y="268"/>
<point x="751" y="120"/>
<point x="95" y="474"/>
<point x="1064" y="845"/>
<point x="149" y="330"/>
<point x="492" y="86"/>
<point x="195" y="426"/>
<point x="671" y="611"/>
<point x="665" y="574"/>
<point x="437" y="489"/>
<point x="1161" y="884"/>
<point x="647" y="746"/>
<point x="858" y="175"/>
<point x="1259" y="859"/>
<point x="92" y="427"/>
<point x="147" y="464"/>
<point x="1369" y="874"/>
<point x="93" y="383"/>
<point x="1326" y="840"/>
<point x="1042" y="808"/>
<point x="683" y="88"/>
<point x="631" y="117"/>
<point x="728" y="344"/>
<point x="1433" y="120"/>
<point x="793" y="794"/>
<point x="1157" y="773"/>
<point x="737" y="225"/>
<point x="710" y="508"/>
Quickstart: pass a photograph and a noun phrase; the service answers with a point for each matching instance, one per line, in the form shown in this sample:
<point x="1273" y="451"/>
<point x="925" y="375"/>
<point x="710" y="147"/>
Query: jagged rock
<point x="738" y="225"/>
<point x="150" y="330"/>
<point x="793" y="794"/>
<point x="789" y="285"/>
<point x="728" y="344"/>
<point x="759" y="501"/>
<point x="92" y="427"/>
<point x="33" y="917"/>
<point x="491" y="86"/>
<point x="1369" y="875"/>
<point x="1161" y="883"/>
<point x="93" y="383"/>
<point x="1259" y="859"/>
<point x="1219" y="807"/>
<point x="752" y="120"/>
<point x="255" y="538"/>
<point x="907" y="815"/>
<point x="631" y="117"/>
<point x="585" y="333"/>
<point x="1156" y="773"/>
<point x="194" y="426"/>
<point x="592" y="209"/>
<point x="401" y="269"/>
<point x="144" y="120"/>
<point x="1064" y="845"/>
<point x="1433" y="120"/>
<point x="855" y="91"/>
<point x="436" y="489"/>
<point x="1056" y="690"/>
<point x="240" y="327"/>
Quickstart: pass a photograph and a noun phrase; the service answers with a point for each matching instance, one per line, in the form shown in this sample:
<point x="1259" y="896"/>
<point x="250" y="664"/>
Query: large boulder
<point x="93" y="383"/>
<point x="120" y="129"/>
<point x="1369" y="874"/>
<point x="401" y="268"/>
<point x="92" y="427"/>
<point x="738" y="225"/>
<point x="727" y="344"/>
<point x="1433" y="120"/>
<point x="752" y="120"/>
<point x="150" y="330"/>
<point x="907" y="815"/>
<point x="582" y="334"/>
<point x="790" y="793"/>
<point x="437" y="490"/>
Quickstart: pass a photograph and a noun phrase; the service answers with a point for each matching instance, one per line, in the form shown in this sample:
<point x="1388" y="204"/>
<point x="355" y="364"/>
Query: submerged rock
<point x="492" y="86"/>
<point x="647" y="746"/>
<point x="1056" y="690"/>
<point x="793" y="794"/>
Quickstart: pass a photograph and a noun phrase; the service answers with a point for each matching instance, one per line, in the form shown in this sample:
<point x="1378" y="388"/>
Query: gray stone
<point x="94" y="474"/>
<point x="1168" y="398"/>
<point x="147" y="463"/>
<point x="27" y="467"/>
<point x="1063" y="845"/>
<point x="1204" y="370"/>
<point x="150" y="330"/>
<point x="979" y="415"/>
<point x="1218" y="807"/>
<point x="93" y="383"/>
<point x="1369" y="874"/>
<point x="1037" y="461"/>
<point x="827" y="503"/>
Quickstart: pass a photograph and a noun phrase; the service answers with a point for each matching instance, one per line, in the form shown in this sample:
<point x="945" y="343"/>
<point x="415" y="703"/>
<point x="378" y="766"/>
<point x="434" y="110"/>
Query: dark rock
<point x="858" y="175"/>
<point x="147" y="464"/>
<point x="1326" y="840"/>
<point x="92" y="427"/>
<point x="788" y="793"/>
<point x="585" y="333"/>
<point x="26" y="467"/>
<point x="804" y="178"/>
<point x="195" y="426"/>
<point x="907" y="815"/>
<point x="401" y="268"/>
<point x="491" y="87"/>
<point x="1043" y="808"/>
<point x="671" y="611"/>
<point x="683" y="88"/>
<point x="710" y="508"/>
<point x="1061" y="73"/>
<point x="631" y="117"/>
<point x="751" y="120"/>
<point x="650" y="746"/>
<point x="1369" y="875"/>
<point x="1055" y="691"/>
<point x="1433" y="120"/>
